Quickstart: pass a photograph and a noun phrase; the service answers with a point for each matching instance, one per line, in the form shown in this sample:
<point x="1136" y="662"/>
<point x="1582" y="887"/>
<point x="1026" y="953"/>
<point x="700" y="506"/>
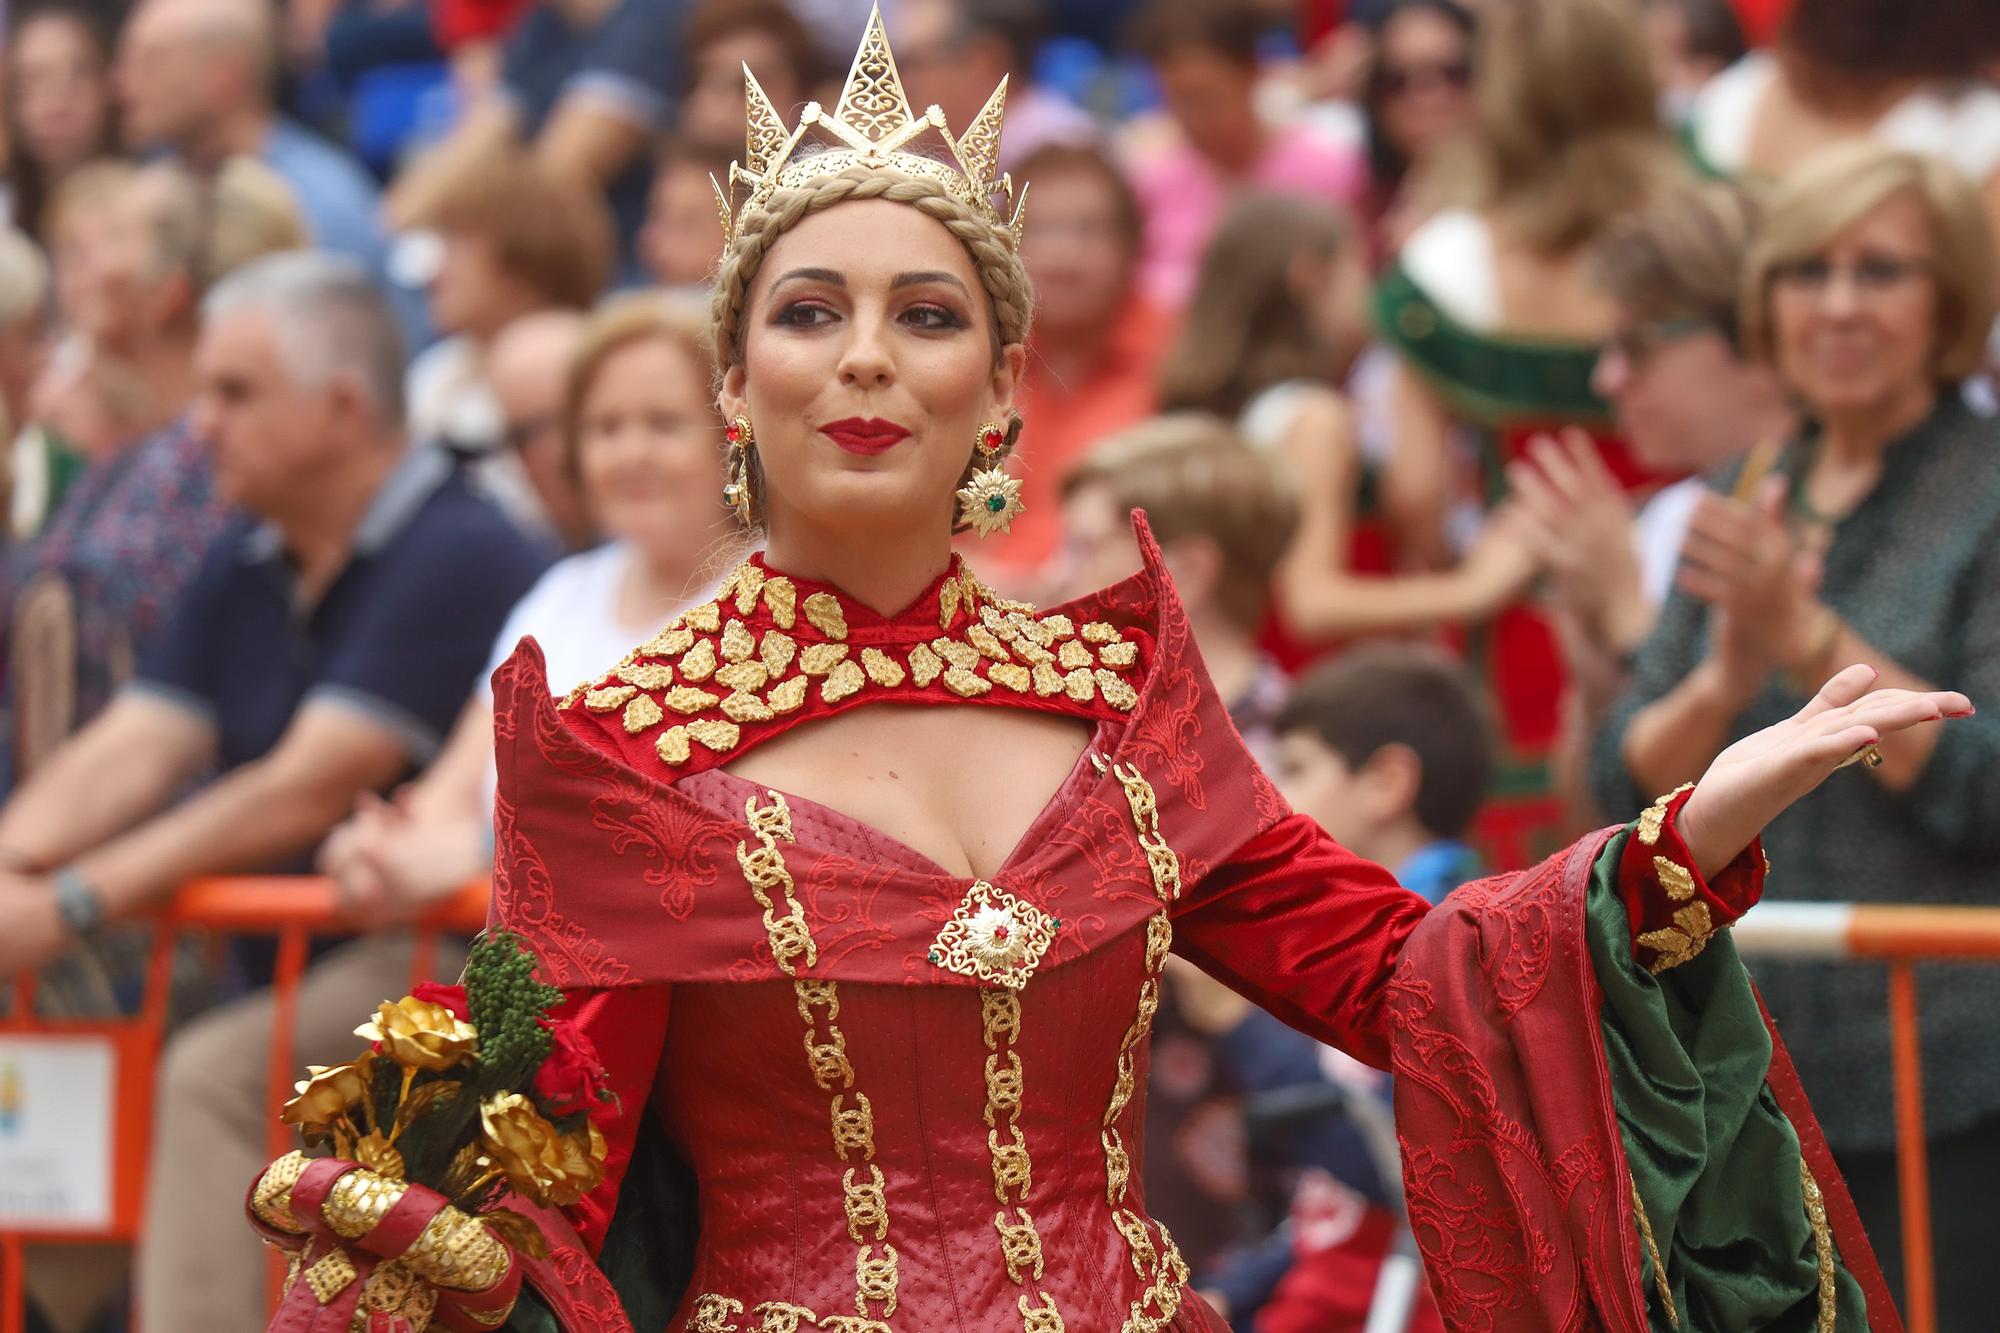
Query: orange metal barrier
<point x="1900" y="937"/>
<point x="293" y="909"/>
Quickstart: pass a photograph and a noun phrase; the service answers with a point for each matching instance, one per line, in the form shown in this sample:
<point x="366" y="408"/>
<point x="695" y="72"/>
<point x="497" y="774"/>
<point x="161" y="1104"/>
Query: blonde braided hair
<point x="1001" y="271"/>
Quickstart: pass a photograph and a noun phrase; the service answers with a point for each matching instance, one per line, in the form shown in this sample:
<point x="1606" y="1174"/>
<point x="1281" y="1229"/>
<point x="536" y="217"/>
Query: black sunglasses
<point x="1399" y="79"/>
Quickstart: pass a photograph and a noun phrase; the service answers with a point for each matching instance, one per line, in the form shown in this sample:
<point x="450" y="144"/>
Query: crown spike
<point x="873" y="127"/>
<point x="979" y="150"/>
<point x="872" y="102"/>
<point x="722" y="206"/>
<point x="764" y="133"/>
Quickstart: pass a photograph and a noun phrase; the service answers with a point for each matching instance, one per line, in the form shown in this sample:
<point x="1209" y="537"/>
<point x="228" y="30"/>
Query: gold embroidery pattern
<point x="756" y="677"/>
<point x="994" y="937"/>
<point x="1675" y="878"/>
<point x="1013" y="1172"/>
<point x="1822" y="1246"/>
<point x="852" y="1125"/>
<point x="1685" y="939"/>
<point x="1162" y="1265"/>
<point x="1654" y="818"/>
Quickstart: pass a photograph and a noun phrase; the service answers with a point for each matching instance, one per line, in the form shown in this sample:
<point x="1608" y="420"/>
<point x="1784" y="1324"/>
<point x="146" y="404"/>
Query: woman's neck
<point x="1849" y="438"/>
<point x="165" y="367"/>
<point x="883" y="569"/>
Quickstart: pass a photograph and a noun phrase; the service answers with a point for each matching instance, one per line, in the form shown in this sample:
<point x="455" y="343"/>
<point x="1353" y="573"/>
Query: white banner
<point x="56" y="1117"/>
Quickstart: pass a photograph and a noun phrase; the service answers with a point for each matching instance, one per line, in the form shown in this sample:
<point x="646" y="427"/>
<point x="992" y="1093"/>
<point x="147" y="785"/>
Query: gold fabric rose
<point x="543" y="1165"/>
<point x="329" y="1093"/>
<point x="418" y="1034"/>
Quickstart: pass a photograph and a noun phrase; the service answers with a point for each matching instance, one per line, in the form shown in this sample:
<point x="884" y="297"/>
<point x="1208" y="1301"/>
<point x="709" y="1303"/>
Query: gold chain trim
<point x="1822" y="1245"/>
<point x="1653" y="1253"/>
<point x="1013" y="1172"/>
<point x="1161" y="1266"/>
<point x="1815" y="1204"/>
<point x="852" y="1124"/>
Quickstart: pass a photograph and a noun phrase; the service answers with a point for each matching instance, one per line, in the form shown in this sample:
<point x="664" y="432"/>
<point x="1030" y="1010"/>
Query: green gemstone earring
<point x="990" y="500"/>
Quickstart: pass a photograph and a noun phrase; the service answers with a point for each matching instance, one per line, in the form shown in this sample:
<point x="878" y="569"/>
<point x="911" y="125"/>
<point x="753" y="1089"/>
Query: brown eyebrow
<point x="923" y="276"/>
<point x="825" y="275"/>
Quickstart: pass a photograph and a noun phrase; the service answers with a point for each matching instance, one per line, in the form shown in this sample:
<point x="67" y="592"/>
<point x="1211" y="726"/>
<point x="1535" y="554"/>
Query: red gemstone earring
<point x="990" y="500"/>
<point x="741" y="439"/>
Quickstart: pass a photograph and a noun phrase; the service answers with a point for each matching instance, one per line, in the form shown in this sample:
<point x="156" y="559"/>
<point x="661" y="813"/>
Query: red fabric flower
<point x="448" y="997"/>
<point x="572" y="1078"/>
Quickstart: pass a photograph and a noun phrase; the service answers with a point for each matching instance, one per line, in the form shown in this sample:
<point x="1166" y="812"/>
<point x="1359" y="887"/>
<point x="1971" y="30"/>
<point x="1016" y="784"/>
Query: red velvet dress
<point x="913" y="1101"/>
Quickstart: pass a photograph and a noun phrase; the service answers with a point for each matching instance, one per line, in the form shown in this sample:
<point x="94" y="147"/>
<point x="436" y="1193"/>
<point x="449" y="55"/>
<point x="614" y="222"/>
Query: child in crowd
<point x="1388" y="747"/>
<point x="1223" y="519"/>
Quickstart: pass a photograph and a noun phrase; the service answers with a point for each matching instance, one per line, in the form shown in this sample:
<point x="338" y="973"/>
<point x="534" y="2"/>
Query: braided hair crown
<point x="870" y="146"/>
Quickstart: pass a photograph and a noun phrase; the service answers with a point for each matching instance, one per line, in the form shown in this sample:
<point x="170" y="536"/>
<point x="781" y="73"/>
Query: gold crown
<point x="870" y="127"/>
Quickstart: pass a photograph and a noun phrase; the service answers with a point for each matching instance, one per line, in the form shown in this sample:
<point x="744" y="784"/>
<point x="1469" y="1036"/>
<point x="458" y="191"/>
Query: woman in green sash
<point x="1492" y="312"/>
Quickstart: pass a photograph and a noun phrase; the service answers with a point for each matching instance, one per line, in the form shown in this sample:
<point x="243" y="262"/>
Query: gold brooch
<point x="994" y="937"/>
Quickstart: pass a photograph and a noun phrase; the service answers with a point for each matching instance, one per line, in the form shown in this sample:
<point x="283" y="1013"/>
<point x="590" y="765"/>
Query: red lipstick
<point x="872" y="436"/>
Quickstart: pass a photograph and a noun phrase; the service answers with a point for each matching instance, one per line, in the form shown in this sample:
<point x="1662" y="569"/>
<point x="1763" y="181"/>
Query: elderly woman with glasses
<point x="1873" y="534"/>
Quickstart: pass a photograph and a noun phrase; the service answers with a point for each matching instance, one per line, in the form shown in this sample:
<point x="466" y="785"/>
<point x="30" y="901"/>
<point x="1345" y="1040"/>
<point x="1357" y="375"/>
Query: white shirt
<point x="1958" y="123"/>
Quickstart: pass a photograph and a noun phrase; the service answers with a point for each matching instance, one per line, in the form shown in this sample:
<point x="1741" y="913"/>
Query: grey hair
<point x="330" y="320"/>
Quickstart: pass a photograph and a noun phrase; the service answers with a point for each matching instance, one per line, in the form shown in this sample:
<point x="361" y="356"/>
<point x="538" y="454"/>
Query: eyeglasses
<point x="1455" y="75"/>
<point x="1870" y="275"/>
<point x="1638" y="343"/>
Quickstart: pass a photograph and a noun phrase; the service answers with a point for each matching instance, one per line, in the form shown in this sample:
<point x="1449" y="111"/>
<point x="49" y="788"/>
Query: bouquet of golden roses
<point x="465" y="1096"/>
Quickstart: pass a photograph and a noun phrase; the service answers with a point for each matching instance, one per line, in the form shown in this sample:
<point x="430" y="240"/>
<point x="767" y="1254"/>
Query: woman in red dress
<point x="862" y="879"/>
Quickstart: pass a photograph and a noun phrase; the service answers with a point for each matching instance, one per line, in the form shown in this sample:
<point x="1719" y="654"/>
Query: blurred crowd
<point x="1530" y="397"/>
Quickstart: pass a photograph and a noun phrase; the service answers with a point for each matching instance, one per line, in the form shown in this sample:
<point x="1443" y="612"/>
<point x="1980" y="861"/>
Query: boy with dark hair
<point x="1388" y="748"/>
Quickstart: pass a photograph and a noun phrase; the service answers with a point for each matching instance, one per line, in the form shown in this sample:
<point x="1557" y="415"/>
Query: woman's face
<point x="115" y="282"/>
<point x="1076" y="253"/>
<point x="867" y="371"/>
<point x="1425" y="80"/>
<point x="711" y="112"/>
<point x="649" y="451"/>
<point x="1674" y="389"/>
<point x="1335" y="293"/>
<point x="61" y="95"/>
<point x="1855" y="324"/>
<point x="473" y="292"/>
<point x="681" y="240"/>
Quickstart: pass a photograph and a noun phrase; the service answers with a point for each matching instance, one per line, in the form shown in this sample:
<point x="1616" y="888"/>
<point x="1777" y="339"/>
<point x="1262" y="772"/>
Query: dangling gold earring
<point x="736" y="491"/>
<point x="991" y="500"/>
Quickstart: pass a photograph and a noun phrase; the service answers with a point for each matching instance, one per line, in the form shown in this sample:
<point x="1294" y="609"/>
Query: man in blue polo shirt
<point x="322" y="651"/>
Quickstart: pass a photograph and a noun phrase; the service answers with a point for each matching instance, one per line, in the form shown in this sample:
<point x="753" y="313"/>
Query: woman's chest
<point x="956" y="789"/>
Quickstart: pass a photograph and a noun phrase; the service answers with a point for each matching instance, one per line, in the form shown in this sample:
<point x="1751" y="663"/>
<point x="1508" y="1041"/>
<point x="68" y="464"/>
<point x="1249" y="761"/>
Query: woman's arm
<point x="1312" y="932"/>
<point x="1416" y="483"/>
<point x="1672" y="739"/>
<point x="1318" y="595"/>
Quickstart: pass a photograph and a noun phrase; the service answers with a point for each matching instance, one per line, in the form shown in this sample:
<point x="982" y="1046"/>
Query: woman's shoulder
<point x="1958" y="122"/>
<point x="1725" y="112"/>
<point x="1449" y="258"/>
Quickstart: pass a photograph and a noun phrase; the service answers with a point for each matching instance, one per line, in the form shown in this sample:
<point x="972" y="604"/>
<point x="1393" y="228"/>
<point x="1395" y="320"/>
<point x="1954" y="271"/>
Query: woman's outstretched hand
<point x="1752" y="781"/>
